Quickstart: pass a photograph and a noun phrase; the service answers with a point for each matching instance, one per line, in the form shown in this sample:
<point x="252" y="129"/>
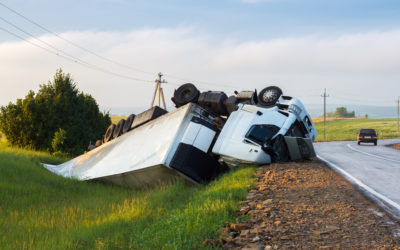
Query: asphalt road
<point x="373" y="169"/>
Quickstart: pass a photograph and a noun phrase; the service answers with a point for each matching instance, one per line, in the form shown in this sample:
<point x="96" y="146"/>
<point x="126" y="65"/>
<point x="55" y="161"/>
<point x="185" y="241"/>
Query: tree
<point x="342" y="112"/>
<point x="58" y="118"/>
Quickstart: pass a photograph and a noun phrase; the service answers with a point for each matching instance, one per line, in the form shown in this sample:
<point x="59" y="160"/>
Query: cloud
<point x="362" y="65"/>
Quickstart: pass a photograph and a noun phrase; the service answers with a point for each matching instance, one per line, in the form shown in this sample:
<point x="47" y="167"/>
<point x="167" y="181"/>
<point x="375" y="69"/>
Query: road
<point x="373" y="169"/>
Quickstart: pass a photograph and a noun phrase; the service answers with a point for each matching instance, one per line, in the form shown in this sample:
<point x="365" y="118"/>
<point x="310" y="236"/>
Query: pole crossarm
<point x="160" y="92"/>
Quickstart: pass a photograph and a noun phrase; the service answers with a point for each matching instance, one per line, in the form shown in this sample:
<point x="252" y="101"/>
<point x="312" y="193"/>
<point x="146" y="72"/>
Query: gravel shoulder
<point x="395" y="146"/>
<point x="307" y="205"/>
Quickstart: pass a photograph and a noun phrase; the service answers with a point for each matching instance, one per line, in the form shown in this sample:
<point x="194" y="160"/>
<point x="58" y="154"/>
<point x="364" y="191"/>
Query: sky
<point x="114" y="48"/>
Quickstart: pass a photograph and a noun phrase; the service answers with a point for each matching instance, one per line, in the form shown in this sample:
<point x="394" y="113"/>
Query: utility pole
<point x="160" y="92"/>
<point x="325" y="96"/>
<point x="398" y="113"/>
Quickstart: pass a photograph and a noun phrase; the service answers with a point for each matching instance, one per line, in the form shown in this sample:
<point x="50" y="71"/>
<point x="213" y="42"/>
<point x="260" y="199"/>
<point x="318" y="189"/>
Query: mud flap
<point x="299" y="148"/>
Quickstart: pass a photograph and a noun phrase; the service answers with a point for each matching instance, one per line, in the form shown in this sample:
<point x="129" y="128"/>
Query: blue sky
<point x="303" y="46"/>
<point x="235" y="18"/>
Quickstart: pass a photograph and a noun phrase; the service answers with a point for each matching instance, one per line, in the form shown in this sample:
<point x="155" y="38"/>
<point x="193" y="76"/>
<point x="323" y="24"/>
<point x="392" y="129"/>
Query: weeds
<point x="39" y="210"/>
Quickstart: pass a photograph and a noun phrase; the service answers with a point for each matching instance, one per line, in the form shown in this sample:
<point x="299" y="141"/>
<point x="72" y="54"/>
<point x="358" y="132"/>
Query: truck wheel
<point x="108" y="136"/>
<point x="375" y="143"/>
<point x="118" y="129"/>
<point x="358" y="143"/>
<point x="128" y="123"/>
<point x="231" y="104"/>
<point x="269" y="96"/>
<point x="185" y="94"/>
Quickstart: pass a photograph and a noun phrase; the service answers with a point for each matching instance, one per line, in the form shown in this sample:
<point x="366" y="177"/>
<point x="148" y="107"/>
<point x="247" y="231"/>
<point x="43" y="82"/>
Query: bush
<point x="57" y="143"/>
<point x="342" y="112"/>
<point x="57" y="118"/>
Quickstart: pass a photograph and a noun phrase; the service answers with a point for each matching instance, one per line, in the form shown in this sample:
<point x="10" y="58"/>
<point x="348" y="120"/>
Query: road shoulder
<point x="308" y="205"/>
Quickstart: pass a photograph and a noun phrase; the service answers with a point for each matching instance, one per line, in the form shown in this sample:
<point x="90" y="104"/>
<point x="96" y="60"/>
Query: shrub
<point x="58" y="118"/>
<point x="342" y="112"/>
<point x="57" y="143"/>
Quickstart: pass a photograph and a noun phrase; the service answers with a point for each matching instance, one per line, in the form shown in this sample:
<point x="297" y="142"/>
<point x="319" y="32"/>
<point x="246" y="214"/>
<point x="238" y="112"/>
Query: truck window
<point x="262" y="133"/>
<point x="307" y="121"/>
<point x="297" y="130"/>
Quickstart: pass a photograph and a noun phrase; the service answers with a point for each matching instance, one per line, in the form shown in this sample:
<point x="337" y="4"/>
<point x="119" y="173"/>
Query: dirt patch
<point x="307" y="205"/>
<point x="395" y="146"/>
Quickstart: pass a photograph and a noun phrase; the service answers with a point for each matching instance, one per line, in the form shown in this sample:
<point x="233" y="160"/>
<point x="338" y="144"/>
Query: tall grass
<point x="347" y="129"/>
<point x="39" y="210"/>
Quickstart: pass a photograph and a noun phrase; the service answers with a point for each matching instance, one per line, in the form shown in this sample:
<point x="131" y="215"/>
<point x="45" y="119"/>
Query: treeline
<point x="58" y="118"/>
<point x="342" y="112"/>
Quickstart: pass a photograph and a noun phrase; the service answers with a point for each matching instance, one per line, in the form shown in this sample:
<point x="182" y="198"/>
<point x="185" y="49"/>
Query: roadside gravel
<point x="307" y="205"/>
<point x="395" y="146"/>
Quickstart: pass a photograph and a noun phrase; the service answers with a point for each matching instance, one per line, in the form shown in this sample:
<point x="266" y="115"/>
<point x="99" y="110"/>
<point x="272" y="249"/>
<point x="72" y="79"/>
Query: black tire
<point x="231" y="104"/>
<point x="118" y="129"/>
<point x="375" y="143"/>
<point x="128" y="123"/>
<point x="108" y="136"/>
<point x="358" y="143"/>
<point x="185" y="94"/>
<point x="269" y="96"/>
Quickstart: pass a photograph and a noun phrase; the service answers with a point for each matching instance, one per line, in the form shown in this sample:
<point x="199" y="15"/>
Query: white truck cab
<point x="248" y="130"/>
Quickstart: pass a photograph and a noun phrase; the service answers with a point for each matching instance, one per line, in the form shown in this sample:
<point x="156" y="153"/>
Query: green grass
<point x="39" y="210"/>
<point x="347" y="129"/>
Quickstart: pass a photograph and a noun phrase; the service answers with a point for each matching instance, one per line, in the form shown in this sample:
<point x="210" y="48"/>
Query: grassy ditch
<point x="347" y="129"/>
<point x="40" y="210"/>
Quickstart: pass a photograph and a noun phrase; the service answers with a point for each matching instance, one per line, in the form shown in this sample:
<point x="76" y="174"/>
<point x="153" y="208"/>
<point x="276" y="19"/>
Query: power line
<point x="103" y="57"/>
<point x="89" y="65"/>
<point x="93" y="67"/>
<point x="72" y="43"/>
<point x="34" y="44"/>
<point x="40" y="40"/>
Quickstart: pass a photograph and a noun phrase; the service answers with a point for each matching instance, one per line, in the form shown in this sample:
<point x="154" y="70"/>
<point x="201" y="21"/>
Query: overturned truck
<point x="206" y="134"/>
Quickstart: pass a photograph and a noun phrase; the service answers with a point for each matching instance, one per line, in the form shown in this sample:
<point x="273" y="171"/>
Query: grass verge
<point x="39" y="210"/>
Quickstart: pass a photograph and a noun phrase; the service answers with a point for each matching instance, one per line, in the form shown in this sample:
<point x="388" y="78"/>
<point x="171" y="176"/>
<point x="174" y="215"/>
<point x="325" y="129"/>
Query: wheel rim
<point x="270" y="95"/>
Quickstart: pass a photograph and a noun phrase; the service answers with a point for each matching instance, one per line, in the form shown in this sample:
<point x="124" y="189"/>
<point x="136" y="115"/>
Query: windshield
<point x="262" y="133"/>
<point x="367" y="131"/>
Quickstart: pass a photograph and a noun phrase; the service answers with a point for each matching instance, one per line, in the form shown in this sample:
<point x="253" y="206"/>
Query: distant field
<point x="115" y="119"/>
<point x="347" y="129"/>
<point x="40" y="210"/>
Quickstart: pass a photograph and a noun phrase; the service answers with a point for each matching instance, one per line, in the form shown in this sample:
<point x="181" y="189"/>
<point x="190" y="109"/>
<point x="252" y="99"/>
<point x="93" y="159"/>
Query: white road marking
<point x="360" y="184"/>
<point x="376" y="156"/>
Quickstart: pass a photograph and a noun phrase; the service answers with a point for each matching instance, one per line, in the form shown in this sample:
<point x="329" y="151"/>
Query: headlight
<point x="295" y="109"/>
